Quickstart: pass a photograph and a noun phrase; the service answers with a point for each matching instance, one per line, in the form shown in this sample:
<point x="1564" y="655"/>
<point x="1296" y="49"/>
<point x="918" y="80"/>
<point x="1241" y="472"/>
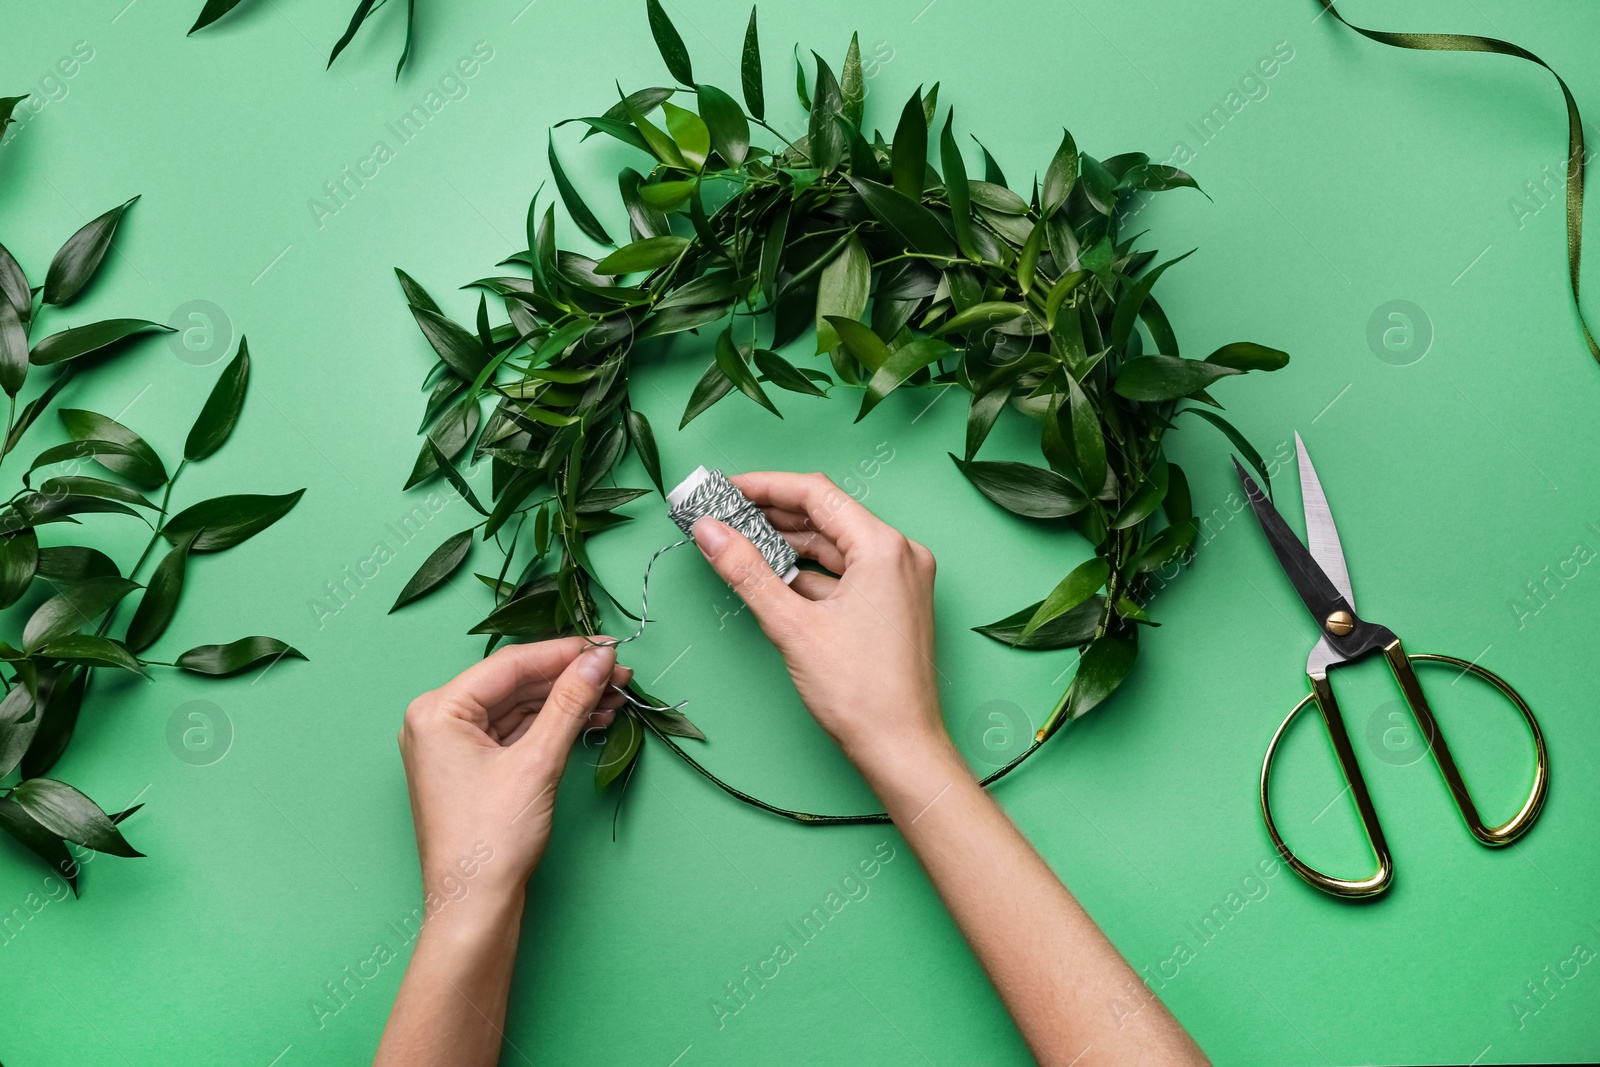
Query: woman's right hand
<point x="860" y="647"/>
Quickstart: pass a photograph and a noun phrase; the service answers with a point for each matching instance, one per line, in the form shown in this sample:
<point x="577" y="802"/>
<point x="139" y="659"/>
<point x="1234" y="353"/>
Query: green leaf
<point x="1101" y="668"/>
<point x="19" y="562"/>
<point x="732" y="364"/>
<point x="213" y="11"/>
<point x="1158" y="378"/>
<point x="623" y="738"/>
<point x="13" y="281"/>
<point x="644" y="443"/>
<point x="74" y="563"/>
<point x="415" y="294"/>
<point x="241" y="655"/>
<point x="902" y="363"/>
<point x="1145" y="499"/>
<point x="861" y="342"/>
<point x="441" y="563"/>
<point x="1023" y="489"/>
<point x="729" y="129"/>
<point x="987" y="314"/>
<point x="689" y="133"/>
<point x="87" y="340"/>
<point x="1073" y="628"/>
<point x="852" y="85"/>
<point x="750" y="70"/>
<point x="532" y="615"/>
<point x="842" y="291"/>
<point x="981" y="416"/>
<point x="80" y="257"/>
<point x="160" y="600"/>
<point x="456" y="345"/>
<point x="53" y="725"/>
<point x="1132" y="302"/>
<point x="782" y="373"/>
<point x="863" y="161"/>
<point x="666" y="196"/>
<point x="824" y="140"/>
<point x="221" y="411"/>
<point x="225" y="521"/>
<point x="87" y="648"/>
<point x="908" y="156"/>
<point x="137" y="461"/>
<point x="569" y="196"/>
<point x="955" y="181"/>
<point x="992" y="197"/>
<point x="63" y="810"/>
<point x="1248" y="356"/>
<point x="444" y="465"/>
<point x="712" y="387"/>
<point x="15" y="734"/>
<point x="13" y="350"/>
<point x="1156" y="178"/>
<point x="8" y="104"/>
<point x="363" y="9"/>
<point x="1088" y="437"/>
<point x="673" y="53"/>
<point x="81" y="485"/>
<point x="1059" y="177"/>
<point x="72" y="609"/>
<point x="648" y="254"/>
<point x="908" y="221"/>
<point x="45" y="844"/>
<point x="1083" y="582"/>
<point x="656" y="142"/>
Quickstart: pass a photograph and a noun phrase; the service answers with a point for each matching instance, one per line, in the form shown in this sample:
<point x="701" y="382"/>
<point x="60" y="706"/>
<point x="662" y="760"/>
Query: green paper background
<point x="1363" y="175"/>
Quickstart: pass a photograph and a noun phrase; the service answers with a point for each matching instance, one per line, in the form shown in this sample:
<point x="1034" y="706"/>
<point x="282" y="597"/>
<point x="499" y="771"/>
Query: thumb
<point x="576" y="692"/>
<point x="742" y="566"/>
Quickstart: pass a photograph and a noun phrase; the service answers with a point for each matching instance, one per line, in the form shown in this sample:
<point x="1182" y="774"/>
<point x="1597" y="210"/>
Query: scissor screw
<point x="1340" y="623"/>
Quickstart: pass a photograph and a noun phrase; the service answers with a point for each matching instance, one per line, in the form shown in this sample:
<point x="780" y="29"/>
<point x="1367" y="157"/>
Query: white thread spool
<point x="747" y="519"/>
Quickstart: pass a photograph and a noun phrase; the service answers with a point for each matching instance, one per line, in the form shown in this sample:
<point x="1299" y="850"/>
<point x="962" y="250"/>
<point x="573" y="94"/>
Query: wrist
<point x="481" y="919"/>
<point x="895" y="765"/>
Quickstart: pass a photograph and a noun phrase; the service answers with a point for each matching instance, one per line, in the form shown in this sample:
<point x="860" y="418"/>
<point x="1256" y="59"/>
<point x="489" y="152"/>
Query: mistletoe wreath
<point x="910" y="276"/>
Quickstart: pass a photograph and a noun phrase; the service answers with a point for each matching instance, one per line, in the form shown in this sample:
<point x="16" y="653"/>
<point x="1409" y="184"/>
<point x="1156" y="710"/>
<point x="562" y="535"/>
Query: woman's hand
<point x="859" y="646"/>
<point x="484" y="752"/>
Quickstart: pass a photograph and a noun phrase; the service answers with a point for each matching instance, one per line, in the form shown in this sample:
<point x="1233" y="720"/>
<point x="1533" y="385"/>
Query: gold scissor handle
<point x="1400" y="662"/>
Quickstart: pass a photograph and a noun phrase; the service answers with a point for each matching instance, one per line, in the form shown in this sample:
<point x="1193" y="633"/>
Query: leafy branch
<point x="365" y="9"/>
<point x="71" y="593"/>
<point x="910" y="275"/>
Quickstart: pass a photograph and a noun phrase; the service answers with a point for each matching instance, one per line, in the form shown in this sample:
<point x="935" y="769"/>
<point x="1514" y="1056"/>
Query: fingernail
<point x="595" y="663"/>
<point x="710" y="535"/>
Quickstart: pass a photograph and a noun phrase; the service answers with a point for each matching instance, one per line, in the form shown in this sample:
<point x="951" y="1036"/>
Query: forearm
<point x="451" y="1006"/>
<point x="1047" y="959"/>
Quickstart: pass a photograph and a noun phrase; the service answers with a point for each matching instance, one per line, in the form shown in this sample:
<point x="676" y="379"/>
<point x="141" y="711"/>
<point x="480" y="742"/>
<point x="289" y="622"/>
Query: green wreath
<point x="910" y="276"/>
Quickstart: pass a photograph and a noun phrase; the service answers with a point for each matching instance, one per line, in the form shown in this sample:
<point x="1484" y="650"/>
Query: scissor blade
<point x="1321" y="597"/>
<point x="1322" y="536"/>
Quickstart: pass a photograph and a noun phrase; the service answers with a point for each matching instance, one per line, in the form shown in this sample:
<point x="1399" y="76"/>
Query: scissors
<point x="1322" y="579"/>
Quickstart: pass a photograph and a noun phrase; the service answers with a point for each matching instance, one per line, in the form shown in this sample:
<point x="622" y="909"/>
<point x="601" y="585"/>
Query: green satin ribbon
<point x="1462" y="42"/>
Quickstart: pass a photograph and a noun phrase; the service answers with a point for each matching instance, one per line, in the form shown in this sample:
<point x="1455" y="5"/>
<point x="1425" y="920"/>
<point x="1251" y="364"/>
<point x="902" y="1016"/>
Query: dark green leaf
<point x="1076" y="588"/>
<point x="138" y="463"/>
<point x="981" y="415"/>
<point x="37" y="509"/>
<point x="985" y="315"/>
<point x="908" y="157"/>
<point x="902" y="363"/>
<point x="732" y="364"/>
<point x="13" y="350"/>
<point x="82" y="485"/>
<point x="842" y="290"/>
<point x="225" y="521"/>
<point x="213" y="11"/>
<point x="1156" y="178"/>
<point x="782" y="373"/>
<point x="73" y="608"/>
<point x="861" y="342"/>
<point x="533" y="615"/>
<point x="8" y="105"/>
<point x="852" y="86"/>
<point x="647" y="254"/>
<point x="673" y="53"/>
<point x="1145" y="499"/>
<point x="1157" y="378"/>
<point x="13" y="282"/>
<point x="15" y="733"/>
<point x="1059" y="177"/>
<point x="712" y="387"/>
<point x="19" y="562"/>
<point x="1247" y="356"/>
<point x="863" y="161"/>
<point x="87" y="648"/>
<point x="363" y="9"/>
<point x="46" y="844"/>
<point x="441" y="563"/>
<point x="456" y="345"/>
<point x="87" y="340"/>
<point x="53" y="726"/>
<point x="1132" y="302"/>
<point x="79" y="258"/>
<point x="1101" y="668"/>
<point x="644" y="443"/>
<point x="1022" y="489"/>
<point x="160" y="600"/>
<point x="415" y="294"/>
<point x="994" y="197"/>
<point x="1240" y="442"/>
<point x="1074" y="628"/>
<point x="730" y="130"/>
<point x="1088" y="437"/>
<point x="956" y="191"/>
<point x="824" y="141"/>
<point x="908" y="221"/>
<point x="623" y="738"/>
<point x="222" y="407"/>
<point x="236" y="656"/>
<point x="74" y="563"/>
<point x="569" y="196"/>
<point x="750" y="70"/>
<point x="444" y="465"/>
